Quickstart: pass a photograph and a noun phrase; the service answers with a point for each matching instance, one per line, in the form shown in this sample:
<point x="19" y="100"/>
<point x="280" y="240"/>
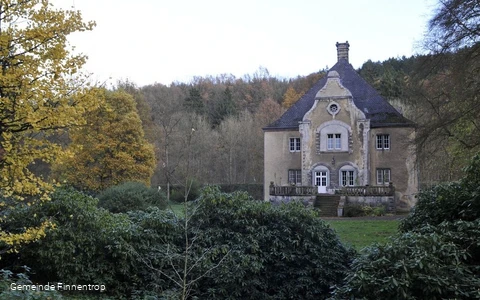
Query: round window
<point x="333" y="108"/>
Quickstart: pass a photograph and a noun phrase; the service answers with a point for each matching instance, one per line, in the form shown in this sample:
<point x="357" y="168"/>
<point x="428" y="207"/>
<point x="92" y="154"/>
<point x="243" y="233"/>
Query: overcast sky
<point x="148" y="41"/>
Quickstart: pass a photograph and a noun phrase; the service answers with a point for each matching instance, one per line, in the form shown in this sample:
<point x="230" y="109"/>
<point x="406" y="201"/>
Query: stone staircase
<point x="327" y="204"/>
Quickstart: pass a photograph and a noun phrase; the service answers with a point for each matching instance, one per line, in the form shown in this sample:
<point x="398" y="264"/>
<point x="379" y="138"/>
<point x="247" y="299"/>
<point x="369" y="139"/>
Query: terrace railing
<point x="292" y="190"/>
<point x="383" y="190"/>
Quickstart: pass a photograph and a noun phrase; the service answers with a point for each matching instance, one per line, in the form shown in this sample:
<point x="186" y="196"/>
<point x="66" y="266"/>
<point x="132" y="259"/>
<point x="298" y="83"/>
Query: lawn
<point x="362" y="233"/>
<point x="177" y="208"/>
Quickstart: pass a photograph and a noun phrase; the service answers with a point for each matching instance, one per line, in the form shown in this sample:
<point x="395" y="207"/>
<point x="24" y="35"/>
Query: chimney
<point x="342" y="50"/>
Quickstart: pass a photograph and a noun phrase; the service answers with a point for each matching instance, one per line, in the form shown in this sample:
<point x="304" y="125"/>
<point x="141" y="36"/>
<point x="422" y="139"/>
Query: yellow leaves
<point x="290" y="97"/>
<point x="39" y="90"/>
<point x="109" y="151"/>
<point x="14" y="240"/>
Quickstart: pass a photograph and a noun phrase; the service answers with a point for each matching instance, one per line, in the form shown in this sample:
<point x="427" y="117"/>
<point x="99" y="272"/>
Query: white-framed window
<point x="294" y="144"/>
<point x="334" y="141"/>
<point x="295" y="177"/>
<point x="347" y="178"/>
<point x="347" y="175"/>
<point x="383" y="141"/>
<point x="333" y="136"/>
<point x="383" y="176"/>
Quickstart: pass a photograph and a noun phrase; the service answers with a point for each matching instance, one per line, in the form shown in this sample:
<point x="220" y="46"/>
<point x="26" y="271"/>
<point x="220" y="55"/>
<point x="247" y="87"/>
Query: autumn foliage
<point x="110" y="149"/>
<point x="41" y="94"/>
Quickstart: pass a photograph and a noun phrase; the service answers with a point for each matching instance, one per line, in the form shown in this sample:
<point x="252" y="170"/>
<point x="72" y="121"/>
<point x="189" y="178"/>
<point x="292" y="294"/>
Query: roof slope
<point x="365" y="97"/>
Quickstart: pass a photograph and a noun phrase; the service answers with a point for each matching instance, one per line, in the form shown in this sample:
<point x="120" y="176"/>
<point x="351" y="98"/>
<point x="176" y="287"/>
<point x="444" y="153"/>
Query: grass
<point x="177" y="208"/>
<point x="362" y="233"/>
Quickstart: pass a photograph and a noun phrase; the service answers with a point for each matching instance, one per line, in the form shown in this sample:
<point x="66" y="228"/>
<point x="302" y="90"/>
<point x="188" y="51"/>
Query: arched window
<point x="347" y="175"/>
<point x="333" y="136"/>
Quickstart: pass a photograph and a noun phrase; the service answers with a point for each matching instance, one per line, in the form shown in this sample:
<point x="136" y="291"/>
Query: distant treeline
<point x="214" y="124"/>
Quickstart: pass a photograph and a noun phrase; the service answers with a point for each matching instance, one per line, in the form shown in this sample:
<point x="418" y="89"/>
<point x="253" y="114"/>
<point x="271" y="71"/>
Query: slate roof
<point x="365" y="97"/>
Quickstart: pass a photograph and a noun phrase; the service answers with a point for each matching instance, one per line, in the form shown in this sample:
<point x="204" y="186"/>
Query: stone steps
<point x="327" y="204"/>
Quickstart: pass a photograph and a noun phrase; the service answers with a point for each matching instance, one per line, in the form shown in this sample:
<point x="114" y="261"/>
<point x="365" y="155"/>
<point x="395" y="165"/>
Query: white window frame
<point x="295" y="176"/>
<point x="333" y="127"/>
<point x="321" y="177"/>
<point x="294" y="144"/>
<point x="384" y="176"/>
<point x="383" y="142"/>
<point x="334" y="141"/>
<point x="347" y="176"/>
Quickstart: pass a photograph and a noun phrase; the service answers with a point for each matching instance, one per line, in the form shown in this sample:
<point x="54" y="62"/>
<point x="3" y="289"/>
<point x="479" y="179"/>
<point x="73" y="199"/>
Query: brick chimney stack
<point x="342" y="50"/>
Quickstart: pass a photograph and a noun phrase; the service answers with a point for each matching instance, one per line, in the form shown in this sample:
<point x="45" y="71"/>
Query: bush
<point x="9" y="281"/>
<point x="436" y="254"/>
<point x="449" y="201"/>
<point x="177" y="193"/>
<point x="424" y="265"/>
<point x="255" y="190"/>
<point x="88" y="245"/>
<point x="131" y="196"/>
<point x="269" y="252"/>
<point x="353" y="210"/>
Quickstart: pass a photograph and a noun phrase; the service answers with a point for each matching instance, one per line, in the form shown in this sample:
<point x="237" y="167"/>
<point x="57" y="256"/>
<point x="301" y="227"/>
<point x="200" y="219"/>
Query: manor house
<point x="341" y="137"/>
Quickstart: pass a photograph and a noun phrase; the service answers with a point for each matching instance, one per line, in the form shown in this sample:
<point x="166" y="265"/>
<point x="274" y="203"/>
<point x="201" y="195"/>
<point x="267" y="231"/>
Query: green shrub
<point x="417" y="265"/>
<point x="449" y="201"/>
<point x="131" y="196"/>
<point x="88" y="245"/>
<point x="436" y="254"/>
<point x="268" y="252"/>
<point x="9" y="283"/>
<point x="177" y="193"/>
<point x="352" y="210"/>
<point x="378" y="211"/>
<point x="358" y="210"/>
<point x="255" y="190"/>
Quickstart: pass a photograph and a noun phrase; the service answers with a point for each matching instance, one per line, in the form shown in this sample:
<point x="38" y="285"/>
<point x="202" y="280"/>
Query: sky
<point x="165" y="41"/>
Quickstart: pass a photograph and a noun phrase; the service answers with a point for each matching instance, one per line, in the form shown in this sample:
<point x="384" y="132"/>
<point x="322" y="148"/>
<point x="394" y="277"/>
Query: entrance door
<point x="321" y="178"/>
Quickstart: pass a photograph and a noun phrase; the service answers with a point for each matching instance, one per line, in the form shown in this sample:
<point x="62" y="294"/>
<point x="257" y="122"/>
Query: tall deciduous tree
<point x="456" y="24"/>
<point x="447" y="99"/>
<point x="111" y="149"/>
<point x="39" y="92"/>
<point x="168" y="115"/>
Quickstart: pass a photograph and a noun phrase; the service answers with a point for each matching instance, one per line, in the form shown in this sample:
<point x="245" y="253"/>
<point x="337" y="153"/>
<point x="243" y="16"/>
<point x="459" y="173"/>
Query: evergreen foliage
<point x="274" y="252"/>
<point x="435" y="255"/>
<point x="131" y="196"/>
<point x="90" y="245"/>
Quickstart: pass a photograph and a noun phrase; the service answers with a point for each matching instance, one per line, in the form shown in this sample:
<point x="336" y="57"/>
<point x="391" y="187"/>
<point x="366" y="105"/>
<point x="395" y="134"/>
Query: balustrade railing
<point x="292" y="190"/>
<point x="388" y="190"/>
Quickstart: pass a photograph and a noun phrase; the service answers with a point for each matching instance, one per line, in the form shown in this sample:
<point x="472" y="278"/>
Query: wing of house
<point x="342" y="135"/>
